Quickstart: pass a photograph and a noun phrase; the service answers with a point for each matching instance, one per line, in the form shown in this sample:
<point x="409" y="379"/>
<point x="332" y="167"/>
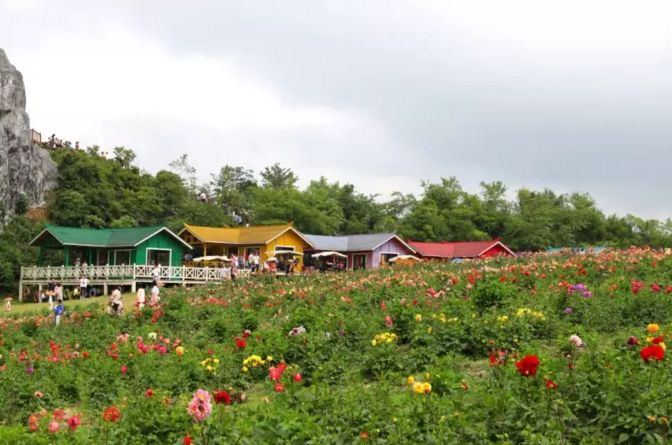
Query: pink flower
<point x="200" y="407"/>
<point x="279" y="387"/>
<point x="54" y="426"/>
<point x="124" y="369"/>
<point x="388" y="321"/>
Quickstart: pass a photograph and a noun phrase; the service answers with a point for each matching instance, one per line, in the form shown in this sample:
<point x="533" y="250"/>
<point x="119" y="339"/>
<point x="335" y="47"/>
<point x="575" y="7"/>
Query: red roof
<point x="462" y="249"/>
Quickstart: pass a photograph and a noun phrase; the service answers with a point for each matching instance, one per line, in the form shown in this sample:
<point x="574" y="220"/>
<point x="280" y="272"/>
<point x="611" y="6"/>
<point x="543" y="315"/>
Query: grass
<point x="25" y="308"/>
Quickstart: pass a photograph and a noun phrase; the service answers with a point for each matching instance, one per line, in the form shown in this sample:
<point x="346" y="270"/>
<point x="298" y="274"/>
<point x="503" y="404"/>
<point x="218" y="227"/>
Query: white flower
<point x="576" y="341"/>
<point x="151" y="336"/>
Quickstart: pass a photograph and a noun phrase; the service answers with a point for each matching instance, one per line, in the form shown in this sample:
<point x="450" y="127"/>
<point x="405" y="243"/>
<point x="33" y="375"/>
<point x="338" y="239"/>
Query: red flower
<point x="59" y="414"/>
<point x="240" y="343"/>
<point x="658" y="340"/>
<point x="222" y="397"/>
<point x="74" y="422"/>
<point x="149" y="392"/>
<point x="497" y="358"/>
<point x="247" y="333"/>
<point x="187" y="440"/>
<point x="275" y="373"/>
<point x="297" y="377"/>
<point x="279" y="387"/>
<point x="111" y="414"/>
<point x="654" y="352"/>
<point x="551" y="385"/>
<point x="527" y="367"/>
<point x="124" y="369"/>
<point x="85" y="354"/>
<point x="364" y="435"/>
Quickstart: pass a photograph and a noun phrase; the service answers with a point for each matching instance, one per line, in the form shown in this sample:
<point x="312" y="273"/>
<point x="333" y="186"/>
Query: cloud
<point x="574" y="96"/>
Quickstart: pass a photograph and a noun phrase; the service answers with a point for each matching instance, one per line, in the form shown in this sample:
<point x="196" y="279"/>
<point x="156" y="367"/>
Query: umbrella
<point x="329" y="253"/>
<point x="404" y="257"/>
<point x="210" y="258"/>
<point x="272" y="260"/>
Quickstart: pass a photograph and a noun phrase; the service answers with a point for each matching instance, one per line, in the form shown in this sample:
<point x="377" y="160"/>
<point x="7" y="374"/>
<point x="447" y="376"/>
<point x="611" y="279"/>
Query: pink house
<point x="362" y="251"/>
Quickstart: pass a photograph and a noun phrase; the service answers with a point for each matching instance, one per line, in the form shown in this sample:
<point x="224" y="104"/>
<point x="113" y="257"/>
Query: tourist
<point x="156" y="274"/>
<point x="140" y="298"/>
<point x="155" y="295"/>
<point x="50" y="288"/>
<point x="58" y="292"/>
<point x="234" y="267"/>
<point x="83" y="286"/>
<point x="116" y="302"/>
<point x="58" y="312"/>
<point x="254" y="262"/>
<point x="51" y="301"/>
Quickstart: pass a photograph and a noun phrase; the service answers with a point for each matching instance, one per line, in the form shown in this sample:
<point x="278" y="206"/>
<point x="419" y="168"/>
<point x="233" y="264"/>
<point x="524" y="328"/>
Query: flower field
<point x="539" y="350"/>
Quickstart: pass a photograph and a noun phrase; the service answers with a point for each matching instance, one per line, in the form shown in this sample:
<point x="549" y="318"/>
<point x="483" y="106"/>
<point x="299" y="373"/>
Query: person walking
<point x="140" y="298"/>
<point x="154" y="301"/>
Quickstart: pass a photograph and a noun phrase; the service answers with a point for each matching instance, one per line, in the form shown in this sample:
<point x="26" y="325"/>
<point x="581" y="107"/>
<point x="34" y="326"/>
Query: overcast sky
<point x="570" y="95"/>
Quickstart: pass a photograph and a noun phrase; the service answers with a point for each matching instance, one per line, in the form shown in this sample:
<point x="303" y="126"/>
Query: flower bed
<point x="534" y="350"/>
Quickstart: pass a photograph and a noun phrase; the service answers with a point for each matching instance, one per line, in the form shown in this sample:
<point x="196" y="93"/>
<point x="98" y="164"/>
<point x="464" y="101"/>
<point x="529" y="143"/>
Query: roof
<point x="241" y="235"/>
<point x="461" y="249"/>
<point x="353" y="243"/>
<point x="108" y="237"/>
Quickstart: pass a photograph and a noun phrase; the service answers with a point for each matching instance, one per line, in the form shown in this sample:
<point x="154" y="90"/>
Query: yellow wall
<point x="288" y="238"/>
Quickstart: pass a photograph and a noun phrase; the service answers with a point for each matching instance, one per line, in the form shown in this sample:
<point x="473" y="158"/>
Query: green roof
<point x="110" y="237"/>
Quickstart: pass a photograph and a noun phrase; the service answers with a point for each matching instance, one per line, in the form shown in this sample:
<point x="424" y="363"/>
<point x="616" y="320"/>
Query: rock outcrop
<point x="26" y="170"/>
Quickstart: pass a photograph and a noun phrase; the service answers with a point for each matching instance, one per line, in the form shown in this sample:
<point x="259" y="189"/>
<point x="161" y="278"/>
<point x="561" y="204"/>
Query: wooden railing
<point x="169" y="274"/>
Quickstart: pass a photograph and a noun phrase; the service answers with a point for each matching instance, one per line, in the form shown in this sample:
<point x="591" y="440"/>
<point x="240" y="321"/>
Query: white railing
<point x="134" y="272"/>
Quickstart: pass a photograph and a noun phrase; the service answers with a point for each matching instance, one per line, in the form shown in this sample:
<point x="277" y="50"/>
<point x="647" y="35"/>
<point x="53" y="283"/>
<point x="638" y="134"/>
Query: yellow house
<point x="267" y="241"/>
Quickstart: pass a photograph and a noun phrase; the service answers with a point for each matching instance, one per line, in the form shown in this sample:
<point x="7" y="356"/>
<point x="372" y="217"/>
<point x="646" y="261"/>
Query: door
<point x="359" y="261"/>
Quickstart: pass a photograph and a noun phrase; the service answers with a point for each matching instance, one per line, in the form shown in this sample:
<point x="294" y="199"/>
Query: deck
<point x="130" y="275"/>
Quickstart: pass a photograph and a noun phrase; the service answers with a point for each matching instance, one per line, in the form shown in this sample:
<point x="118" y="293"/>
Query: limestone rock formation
<point x="26" y="170"/>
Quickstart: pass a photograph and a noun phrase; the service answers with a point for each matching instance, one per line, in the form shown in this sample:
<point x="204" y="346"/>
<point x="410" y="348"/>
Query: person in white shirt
<point x="83" y="287"/>
<point x="254" y="262"/>
<point x="155" y="296"/>
<point x="140" y="299"/>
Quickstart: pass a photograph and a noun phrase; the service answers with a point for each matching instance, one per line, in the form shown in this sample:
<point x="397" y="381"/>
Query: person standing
<point x="83" y="287"/>
<point x="58" y="312"/>
<point x="156" y="274"/>
<point x="234" y="267"/>
<point x="254" y="262"/>
<point x="155" y="296"/>
<point x="140" y="298"/>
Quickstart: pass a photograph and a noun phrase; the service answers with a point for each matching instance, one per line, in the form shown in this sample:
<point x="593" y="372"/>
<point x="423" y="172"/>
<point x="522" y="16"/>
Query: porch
<point x="124" y="275"/>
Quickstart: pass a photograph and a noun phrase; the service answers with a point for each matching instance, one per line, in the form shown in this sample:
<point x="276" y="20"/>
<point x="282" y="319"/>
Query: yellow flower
<point x="410" y="380"/>
<point x="653" y="328"/>
<point x="426" y="388"/>
<point x="418" y="388"/>
<point x="269" y="358"/>
<point x="429" y="330"/>
<point x="245" y="369"/>
<point x="418" y="318"/>
<point x="374" y="342"/>
<point x="179" y="351"/>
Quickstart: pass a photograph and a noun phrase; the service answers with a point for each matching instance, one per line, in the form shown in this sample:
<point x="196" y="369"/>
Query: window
<point x="122" y="257"/>
<point x="158" y="256"/>
<point x="284" y="248"/>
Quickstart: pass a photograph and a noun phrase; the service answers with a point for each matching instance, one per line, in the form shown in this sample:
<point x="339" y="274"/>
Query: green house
<point x="113" y="246"/>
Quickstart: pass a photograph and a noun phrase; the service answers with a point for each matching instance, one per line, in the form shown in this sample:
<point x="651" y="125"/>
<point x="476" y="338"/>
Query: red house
<point x="464" y="249"/>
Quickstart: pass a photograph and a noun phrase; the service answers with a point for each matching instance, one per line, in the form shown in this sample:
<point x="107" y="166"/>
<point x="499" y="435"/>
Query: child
<point x="58" y="311"/>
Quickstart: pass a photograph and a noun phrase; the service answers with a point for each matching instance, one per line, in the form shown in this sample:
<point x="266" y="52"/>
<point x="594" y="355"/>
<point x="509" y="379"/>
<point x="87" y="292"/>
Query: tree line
<point x="95" y="190"/>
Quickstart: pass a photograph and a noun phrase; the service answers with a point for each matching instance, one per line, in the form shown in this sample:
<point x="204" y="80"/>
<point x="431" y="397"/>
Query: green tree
<point x="277" y="177"/>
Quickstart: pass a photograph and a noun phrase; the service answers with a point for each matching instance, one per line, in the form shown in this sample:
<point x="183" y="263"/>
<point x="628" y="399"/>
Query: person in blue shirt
<point x="58" y="311"/>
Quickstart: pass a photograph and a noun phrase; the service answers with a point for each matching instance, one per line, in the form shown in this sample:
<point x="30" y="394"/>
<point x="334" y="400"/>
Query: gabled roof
<point x="462" y="249"/>
<point x="108" y="237"/>
<point x="241" y="235"/>
<point x="353" y="243"/>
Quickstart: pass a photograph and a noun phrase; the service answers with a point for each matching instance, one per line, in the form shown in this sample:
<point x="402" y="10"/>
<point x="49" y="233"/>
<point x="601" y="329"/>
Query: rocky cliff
<point x="26" y="170"/>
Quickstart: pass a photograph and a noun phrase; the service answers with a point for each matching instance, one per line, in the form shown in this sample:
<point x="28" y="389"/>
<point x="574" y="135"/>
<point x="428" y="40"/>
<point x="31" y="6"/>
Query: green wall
<point x="160" y="241"/>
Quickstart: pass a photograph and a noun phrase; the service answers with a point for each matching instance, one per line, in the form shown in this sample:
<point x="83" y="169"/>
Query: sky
<point x="384" y="94"/>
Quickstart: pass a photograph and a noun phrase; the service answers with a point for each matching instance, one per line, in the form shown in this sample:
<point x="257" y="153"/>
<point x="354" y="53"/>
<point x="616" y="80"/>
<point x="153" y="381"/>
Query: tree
<point x="124" y="156"/>
<point x="277" y="177"/>
<point x="185" y="171"/>
<point x="232" y="189"/>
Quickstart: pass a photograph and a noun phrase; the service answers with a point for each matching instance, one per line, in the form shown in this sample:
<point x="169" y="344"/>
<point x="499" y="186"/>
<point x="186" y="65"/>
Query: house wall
<point x="496" y="250"/>
<point x="351" y="259"/>
<point x="161" y="240"/>
<point x="391" y="246"/>
<point x="289" y="238"/>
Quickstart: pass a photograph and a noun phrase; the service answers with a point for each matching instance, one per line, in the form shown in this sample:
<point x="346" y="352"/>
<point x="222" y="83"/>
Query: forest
<point x="97" y="190"/>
